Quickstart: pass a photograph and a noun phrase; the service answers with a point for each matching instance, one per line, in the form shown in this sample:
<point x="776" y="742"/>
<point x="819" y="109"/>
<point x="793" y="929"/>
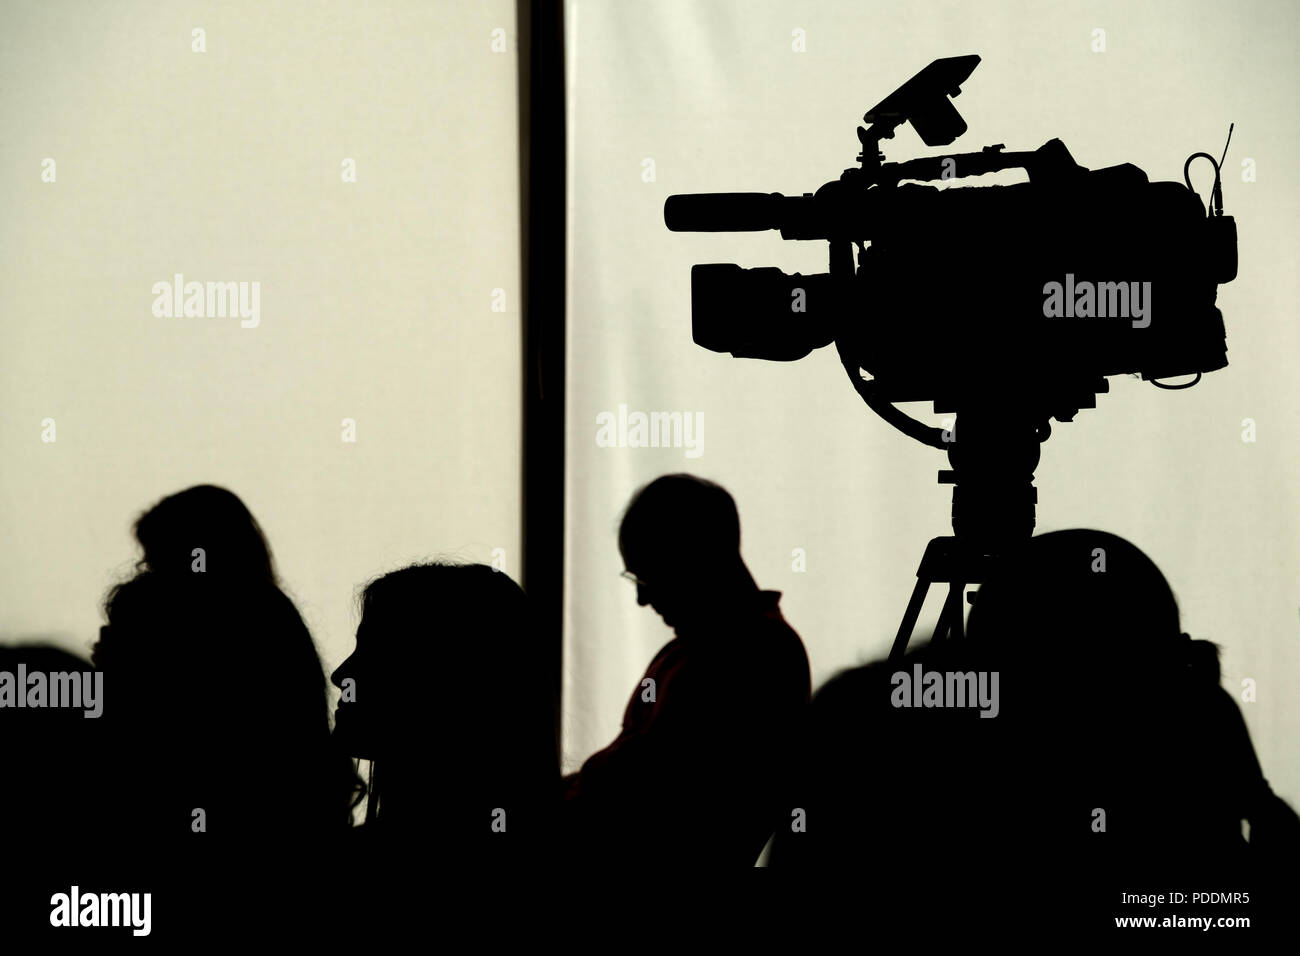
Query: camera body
<point x="1043" y="287"/>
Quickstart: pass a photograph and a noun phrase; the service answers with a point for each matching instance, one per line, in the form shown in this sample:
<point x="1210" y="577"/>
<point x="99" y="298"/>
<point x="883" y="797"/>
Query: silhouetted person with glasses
<point x="696" y="775"/>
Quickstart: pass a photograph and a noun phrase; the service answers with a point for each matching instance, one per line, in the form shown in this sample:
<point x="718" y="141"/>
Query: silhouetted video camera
<point x="1006" y="305"/>
<point x="1034" y="291"/>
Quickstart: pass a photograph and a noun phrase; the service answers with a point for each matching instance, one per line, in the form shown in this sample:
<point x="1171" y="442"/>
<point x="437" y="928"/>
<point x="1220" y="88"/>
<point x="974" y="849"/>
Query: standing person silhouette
<point x="696" y="774"/>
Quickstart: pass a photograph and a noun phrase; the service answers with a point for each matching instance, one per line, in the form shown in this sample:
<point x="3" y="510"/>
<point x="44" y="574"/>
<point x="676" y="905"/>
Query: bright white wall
<point x="714" y="94"/>
<point x="376" y="296"/>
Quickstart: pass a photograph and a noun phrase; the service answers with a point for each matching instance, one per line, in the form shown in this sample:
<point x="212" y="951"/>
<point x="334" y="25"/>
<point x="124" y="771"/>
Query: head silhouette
<point x="680" y="539"/>
<point x="1081" y="598"/>
<point x="204" y="527"/>
<point x="447" y="677"/>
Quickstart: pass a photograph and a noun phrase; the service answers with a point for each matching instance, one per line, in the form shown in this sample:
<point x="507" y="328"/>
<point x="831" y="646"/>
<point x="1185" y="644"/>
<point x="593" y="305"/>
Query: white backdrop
<point x="376" y="294"/>
<point x="667" y="97"/>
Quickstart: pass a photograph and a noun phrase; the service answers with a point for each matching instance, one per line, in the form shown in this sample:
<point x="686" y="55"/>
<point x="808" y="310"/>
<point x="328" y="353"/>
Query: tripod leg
<point x="909" y="618"/>
<point x="950" y="618"/>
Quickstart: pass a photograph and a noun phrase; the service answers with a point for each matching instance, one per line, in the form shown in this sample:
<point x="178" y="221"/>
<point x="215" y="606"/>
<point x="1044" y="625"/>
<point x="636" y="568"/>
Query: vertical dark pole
<point x="542" y="205"/>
